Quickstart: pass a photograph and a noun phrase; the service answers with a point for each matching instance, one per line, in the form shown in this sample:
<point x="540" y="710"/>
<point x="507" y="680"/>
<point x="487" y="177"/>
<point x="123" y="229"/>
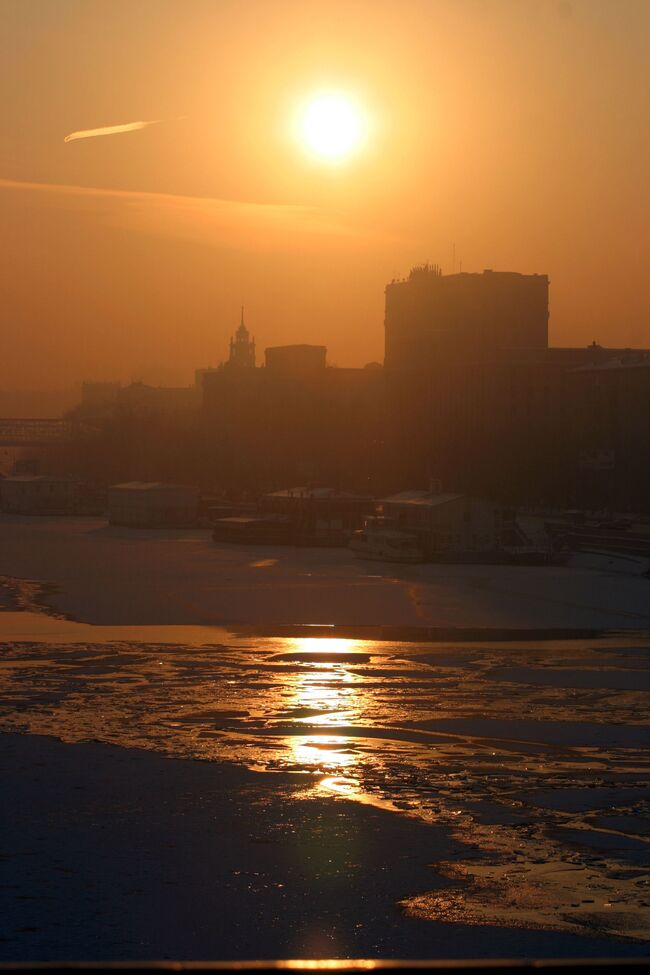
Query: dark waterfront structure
<point x="41" y="494"/>
<point x="320" y="508"/>
<point x="315" y="516"/>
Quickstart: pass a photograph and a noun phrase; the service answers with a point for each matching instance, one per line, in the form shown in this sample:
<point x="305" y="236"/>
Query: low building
<point x="36" y="494"/>
<point x="320" y="509"/>
<point x="152" y="504"/>
<point x="446" y="523"/>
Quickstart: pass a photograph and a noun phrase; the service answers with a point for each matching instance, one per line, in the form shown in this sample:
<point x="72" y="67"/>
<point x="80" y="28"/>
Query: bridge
<point x="32" y="432"/>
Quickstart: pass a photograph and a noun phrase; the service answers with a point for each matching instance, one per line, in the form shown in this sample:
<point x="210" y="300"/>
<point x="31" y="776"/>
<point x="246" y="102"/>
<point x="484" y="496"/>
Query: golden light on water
<point x="330" y="698"/>
<point x="325" y="646"/>
<point x="332" y="126"/>
<point x="335" y="703"/>
<point x="322" y="751"/>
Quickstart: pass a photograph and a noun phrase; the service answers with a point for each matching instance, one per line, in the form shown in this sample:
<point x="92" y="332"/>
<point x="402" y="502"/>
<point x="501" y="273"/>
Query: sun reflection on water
<point x="323" y="752"/>
<point x="326" y="695"/>
<point x="324" y="646"/>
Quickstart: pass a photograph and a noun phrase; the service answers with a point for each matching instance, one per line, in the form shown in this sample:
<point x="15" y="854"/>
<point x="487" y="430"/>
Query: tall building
<point x="242" y="348"/>
<point x="434" y="319"/>
<point x="467" y="377"/>
<point x="478" y="399"/>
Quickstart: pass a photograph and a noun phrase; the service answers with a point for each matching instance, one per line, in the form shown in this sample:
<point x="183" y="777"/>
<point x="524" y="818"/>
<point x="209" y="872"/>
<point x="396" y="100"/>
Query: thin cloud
<point x="111" y="130"/>
<point x="205" y="220"/>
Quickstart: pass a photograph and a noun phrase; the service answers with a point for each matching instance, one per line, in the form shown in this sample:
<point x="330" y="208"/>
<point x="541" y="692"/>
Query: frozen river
<point x="533" y="756"/>
<point x="485" y="776"/>
<point x="124" y="576"/>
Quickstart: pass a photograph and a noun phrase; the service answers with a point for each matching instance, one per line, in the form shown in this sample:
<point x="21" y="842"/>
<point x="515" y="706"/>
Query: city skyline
<point x="499" y="136"/>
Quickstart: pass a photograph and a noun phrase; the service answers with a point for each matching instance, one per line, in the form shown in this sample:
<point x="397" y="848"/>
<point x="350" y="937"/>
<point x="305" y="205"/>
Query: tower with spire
<point x="242" y="348"/>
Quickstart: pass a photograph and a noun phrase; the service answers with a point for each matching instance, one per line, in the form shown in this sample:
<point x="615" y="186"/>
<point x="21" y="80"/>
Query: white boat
<point x="385" y="545"/>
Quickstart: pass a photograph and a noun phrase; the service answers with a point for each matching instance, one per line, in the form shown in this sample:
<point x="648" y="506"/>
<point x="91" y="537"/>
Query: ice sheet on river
<point x="518" y="768"/>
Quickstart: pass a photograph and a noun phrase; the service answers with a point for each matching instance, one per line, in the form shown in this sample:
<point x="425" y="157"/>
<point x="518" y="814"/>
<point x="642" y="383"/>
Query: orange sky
<point x="516" y="129"/>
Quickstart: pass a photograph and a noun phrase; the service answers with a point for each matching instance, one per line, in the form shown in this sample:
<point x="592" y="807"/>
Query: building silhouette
<point x="434" y="319"/>
<point x="470" y="394"/>
<point x="477" y="398"/>
<point x="295" y="419"/>
<point x="608" y="429"/>
<point x="242" y="348"/>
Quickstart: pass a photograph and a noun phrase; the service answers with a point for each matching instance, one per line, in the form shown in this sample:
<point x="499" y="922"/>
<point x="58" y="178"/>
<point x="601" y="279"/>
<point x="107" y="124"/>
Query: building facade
<point x="609" y="431"/>
<point x="446" y="523"/>
<point x="26" y="494"/>
<point x="294" y="419"/>
<point x="42" y="494"/>
<point x="433" y="319"/>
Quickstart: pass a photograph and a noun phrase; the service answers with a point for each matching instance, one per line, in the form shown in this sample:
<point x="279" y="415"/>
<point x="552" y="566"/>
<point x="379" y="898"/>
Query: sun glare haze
<point x="331" y="126"/>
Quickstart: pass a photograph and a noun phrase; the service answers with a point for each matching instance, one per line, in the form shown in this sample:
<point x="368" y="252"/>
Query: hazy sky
<point x="515" y="129"/>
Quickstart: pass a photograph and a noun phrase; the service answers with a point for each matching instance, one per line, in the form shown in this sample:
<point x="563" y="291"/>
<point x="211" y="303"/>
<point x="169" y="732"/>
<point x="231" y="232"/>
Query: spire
<point x="242" y="346"/>
<point x="242" y="331"/>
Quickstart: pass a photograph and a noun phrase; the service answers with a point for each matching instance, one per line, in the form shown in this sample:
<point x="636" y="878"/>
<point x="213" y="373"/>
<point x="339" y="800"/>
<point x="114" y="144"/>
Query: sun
<point x="331" y="126"/>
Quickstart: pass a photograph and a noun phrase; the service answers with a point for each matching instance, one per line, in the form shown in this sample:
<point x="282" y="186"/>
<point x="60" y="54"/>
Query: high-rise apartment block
<point x="432" y="319"/>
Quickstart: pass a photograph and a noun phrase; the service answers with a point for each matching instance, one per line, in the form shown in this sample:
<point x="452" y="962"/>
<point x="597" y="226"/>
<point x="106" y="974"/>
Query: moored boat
<point x="385" y="545"/>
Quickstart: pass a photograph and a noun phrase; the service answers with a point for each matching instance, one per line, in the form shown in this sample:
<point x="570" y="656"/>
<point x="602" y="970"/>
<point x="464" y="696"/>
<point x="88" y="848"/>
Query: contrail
<point x="110" y="130"/>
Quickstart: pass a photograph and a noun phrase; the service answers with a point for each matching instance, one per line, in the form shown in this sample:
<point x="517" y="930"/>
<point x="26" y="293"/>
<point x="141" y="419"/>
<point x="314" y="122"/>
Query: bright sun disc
<point x="331" y="126"/>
